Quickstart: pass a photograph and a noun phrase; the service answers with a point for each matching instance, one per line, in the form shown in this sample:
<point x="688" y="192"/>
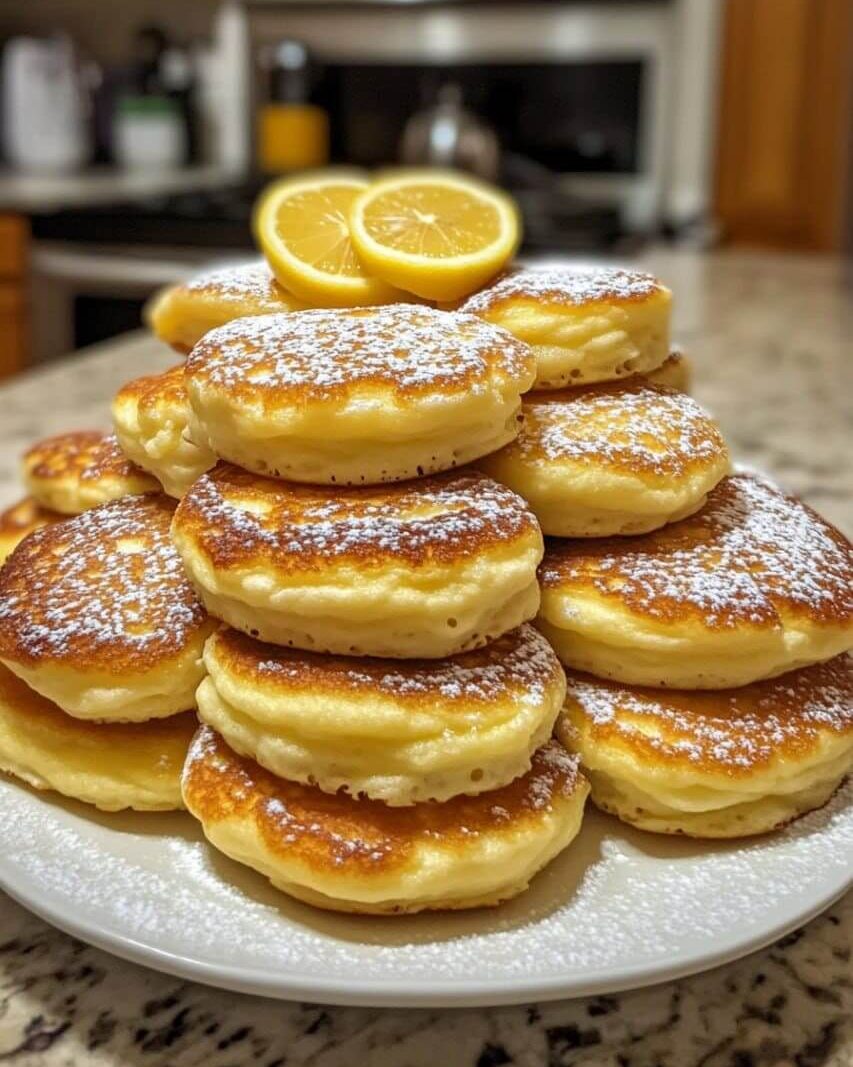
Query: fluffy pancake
<point x="675" y="372"/>
<point x="583" y="324"/>
<point x="97" y="615"/>
<point x="21" y="519"/>
<point x="182" y="314"/>
<point x="344" y="854"/>
<point x="110" y="765"/>
<point x="72" y="472"/>
<point x="153" y="423"/>
<point x="401" y="731"/>
<point x="614" y="458"/>
<point x="357" y="396"/>
<point x="714" y="764"/>
<point x="753" y="585"/>
<point x="420" y="569"/>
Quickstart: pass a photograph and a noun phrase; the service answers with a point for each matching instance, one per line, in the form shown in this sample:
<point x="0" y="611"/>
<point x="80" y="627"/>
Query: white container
<point x="149" y="133"/>
<point x="45" y="107"/>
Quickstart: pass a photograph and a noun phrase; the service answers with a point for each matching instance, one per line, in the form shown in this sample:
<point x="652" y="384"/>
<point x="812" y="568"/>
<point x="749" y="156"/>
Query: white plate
<point x="618" y="910"/>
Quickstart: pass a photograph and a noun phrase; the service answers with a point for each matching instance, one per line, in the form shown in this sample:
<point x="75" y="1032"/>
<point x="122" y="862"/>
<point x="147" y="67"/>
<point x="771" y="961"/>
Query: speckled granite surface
<point x="772" y="341"/>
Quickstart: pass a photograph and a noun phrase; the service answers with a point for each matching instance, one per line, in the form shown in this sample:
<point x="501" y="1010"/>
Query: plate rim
<point x="420" y="993"/>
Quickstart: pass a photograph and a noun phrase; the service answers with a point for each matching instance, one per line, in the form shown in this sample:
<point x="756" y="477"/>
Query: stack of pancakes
<point x="704" y="617"/>
<point x="354" y="594"/>
<point x="101" y="633"/>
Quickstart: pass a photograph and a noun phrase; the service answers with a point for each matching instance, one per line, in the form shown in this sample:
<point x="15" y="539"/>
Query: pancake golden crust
<point x="357" y="396"/>
<point x="152" y="416"/>
<point x="717" y="764"/>
<point x="235" y="517"/>
<point x="427" y="568"/>
<point x="182" y="314"/>
<point x="331" y="355"/>
<point x="21" y="519"/>
<point x="509" y="665"/>
<point x="753" y="585"/>
<point x="362" y="855"/>
<point x="110" y="765"/>
<point x="92" y="607"/>
<point x="613" y="458"/>
<point x="401" y="731"/>
<point x="565" y="287"/>
<point x="74" y="471"/>
<point x="584" y="324"/>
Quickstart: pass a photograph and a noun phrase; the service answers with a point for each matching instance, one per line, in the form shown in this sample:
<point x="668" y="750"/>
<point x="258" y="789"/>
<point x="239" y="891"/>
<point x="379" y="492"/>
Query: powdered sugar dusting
<point x="731" y="730"/>
<point x="317" y="354"/>
<point x="242" y="281"/>
<point x="88" y="455"/>
<point x="104" y="588"/>
<point x="565" y="285"/>
<point x="751" y="555"/>
<point x="237" y="516"/>
<point x="521" y="662"/>
<point x="636" y="425"/>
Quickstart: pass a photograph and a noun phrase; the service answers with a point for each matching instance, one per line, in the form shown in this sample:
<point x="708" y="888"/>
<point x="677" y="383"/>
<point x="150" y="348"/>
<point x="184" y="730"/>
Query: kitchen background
<point x="136" y="135"/>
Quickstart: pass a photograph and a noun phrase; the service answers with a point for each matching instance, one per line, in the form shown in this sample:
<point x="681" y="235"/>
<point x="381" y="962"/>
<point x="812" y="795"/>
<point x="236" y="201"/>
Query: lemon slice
<point x="440" y="235"/>
<point x="302" y="229"/>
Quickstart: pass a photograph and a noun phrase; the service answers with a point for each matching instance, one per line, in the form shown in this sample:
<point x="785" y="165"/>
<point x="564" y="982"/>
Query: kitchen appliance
<point x="448" y="134"/>
<point x="46" y="105"/>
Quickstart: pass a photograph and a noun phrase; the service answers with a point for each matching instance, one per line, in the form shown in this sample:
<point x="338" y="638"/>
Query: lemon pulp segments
<point x="438" y="235"/>
<point x="303" y="230"/>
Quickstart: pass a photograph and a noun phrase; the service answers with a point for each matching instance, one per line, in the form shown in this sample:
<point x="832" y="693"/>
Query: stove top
<point x="220" y="219"/>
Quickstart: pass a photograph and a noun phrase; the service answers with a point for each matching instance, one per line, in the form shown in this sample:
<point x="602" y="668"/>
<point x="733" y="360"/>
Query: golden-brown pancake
<point x="182" y="314"/>
<point x="425" y="569"/>
<point x="21" y="519"/>
<point x="340" y="853"/>
<point x="153" y="422"/>
<point x="753" y="585"/>
<point x="584" y="324"/>
<point x="75" y="471"/>
<point x="357" y="396"/>
<point x="714" y="764"/>
<point x="613" y="458"/>
<point x="97" y="614"/>
<point x="400" y="731"/>
<point x="110" y="765"/>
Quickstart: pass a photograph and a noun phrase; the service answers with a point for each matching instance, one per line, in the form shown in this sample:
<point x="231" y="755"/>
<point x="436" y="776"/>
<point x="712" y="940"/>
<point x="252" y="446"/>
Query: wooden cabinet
<point x="14" y="294"/>
<point x="783" y="173"/>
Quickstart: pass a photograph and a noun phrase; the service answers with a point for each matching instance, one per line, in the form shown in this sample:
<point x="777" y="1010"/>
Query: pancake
<point x="400" y="731"/>
<point x="351" y="855"/>
<point x="153" y="423"/>
<point x="584" y="324"/>
<point x="21" y="519"/>
<point x="72" y="472"/>
<point x="753" y="585"/>
<point x="614" y="458"/>
<point x="182" y="314"/>
<point x="420" y="569"/>
<point x="675" y="372"/>
<point x="716" y="764"/>
<point x="110" y="765"/>
<point x="357" y="396"/>
<point x="97" y="615"/>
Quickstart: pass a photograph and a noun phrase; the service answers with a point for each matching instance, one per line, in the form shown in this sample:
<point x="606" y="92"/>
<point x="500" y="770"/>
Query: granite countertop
<point x="770" y="339"/>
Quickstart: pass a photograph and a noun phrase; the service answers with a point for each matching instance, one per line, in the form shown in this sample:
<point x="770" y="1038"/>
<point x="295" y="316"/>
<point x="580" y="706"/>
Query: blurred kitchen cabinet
<point x="14" y="301"/>
<point x="783" y="174"/>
